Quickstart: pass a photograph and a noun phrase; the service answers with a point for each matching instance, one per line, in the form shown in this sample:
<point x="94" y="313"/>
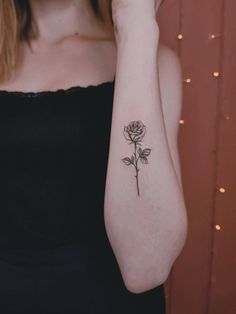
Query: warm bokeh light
<point x="188" y="80"/>
<point x="216" y="74"/>
<point x="206" y="52"/>
<point x="214" y="36"/>
<point x="222" y="190"/>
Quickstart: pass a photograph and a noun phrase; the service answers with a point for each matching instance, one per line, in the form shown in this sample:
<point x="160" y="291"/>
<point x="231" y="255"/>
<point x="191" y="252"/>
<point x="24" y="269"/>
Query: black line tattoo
<point x="134" y="134"/>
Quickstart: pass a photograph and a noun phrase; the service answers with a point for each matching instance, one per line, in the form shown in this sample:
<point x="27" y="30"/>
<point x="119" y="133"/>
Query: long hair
<point x="17" y="24"/>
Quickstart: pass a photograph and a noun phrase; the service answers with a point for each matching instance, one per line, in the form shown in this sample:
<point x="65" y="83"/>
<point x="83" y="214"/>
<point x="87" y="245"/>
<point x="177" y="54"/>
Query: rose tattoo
<point x="134" y="134"/>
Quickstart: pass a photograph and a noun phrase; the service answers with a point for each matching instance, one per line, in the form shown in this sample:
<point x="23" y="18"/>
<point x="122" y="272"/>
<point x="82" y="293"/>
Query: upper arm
<point x="170" y="78"/>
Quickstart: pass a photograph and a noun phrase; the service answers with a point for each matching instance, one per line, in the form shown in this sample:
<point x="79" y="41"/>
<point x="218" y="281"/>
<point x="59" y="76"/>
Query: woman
<point x="92" y="209"/>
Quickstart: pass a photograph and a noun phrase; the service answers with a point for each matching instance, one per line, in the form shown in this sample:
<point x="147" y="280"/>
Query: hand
<point x="129" y="13"/>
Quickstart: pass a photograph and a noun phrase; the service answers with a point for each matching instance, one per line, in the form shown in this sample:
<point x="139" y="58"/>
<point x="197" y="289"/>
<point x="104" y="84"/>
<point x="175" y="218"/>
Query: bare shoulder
<point x="165" y="53"/>
<point x="168" y="61"/>
<point x="170" y="79"/>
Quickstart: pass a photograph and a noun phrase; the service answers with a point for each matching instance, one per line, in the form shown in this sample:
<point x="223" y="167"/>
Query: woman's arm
<point x="144" y="208"/>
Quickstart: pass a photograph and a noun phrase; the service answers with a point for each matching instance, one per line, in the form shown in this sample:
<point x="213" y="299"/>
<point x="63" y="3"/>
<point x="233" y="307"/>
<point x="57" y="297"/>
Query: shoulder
<point x="171" y="84"/>
<point x="171" y="79"/>
<point x="169" y="62"/>
<point x="165" y="53"/>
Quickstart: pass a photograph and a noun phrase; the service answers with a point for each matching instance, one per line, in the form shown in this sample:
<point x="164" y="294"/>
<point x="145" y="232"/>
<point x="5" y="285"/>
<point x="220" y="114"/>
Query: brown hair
<point x="16" y="24"/>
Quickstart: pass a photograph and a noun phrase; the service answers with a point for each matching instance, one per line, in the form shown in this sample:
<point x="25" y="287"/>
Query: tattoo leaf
<point x="140" y="151"/>
<point x="146" y="152"/>
<point x="144" y="160"/>
<point x="127" y="161"/>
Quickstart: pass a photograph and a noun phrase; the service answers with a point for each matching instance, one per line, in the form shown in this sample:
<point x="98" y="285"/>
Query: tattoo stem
<point x="136" y="166"/>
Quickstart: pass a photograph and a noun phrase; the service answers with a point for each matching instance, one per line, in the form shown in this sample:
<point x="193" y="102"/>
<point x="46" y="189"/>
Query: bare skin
<point x="41" y="68"/>
<point x="60" y="59"/>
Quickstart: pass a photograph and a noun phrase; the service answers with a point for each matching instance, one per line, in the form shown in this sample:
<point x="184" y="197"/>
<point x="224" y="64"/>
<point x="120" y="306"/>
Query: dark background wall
<point x="203" y="278"/>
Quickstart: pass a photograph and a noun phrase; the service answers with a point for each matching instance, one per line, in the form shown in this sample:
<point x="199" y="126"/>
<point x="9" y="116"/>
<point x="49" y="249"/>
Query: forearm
<point x="141" y="224"/>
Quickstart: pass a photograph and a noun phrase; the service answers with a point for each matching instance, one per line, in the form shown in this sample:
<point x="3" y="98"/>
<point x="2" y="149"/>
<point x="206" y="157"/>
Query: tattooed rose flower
<point x="135" y="131"/>
<point x="134" y="134"/>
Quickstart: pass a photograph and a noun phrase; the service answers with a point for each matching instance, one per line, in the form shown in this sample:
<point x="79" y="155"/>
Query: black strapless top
<point x="55" y="256"/>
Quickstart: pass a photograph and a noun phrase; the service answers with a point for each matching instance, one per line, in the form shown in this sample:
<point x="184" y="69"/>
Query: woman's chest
<point x="73" y="64"/>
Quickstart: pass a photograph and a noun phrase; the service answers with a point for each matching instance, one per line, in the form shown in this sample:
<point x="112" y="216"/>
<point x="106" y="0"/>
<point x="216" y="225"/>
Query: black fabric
<point x="55" y="256"/>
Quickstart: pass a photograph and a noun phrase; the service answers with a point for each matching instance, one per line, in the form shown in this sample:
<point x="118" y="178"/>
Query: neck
<point x="57" y="19"/>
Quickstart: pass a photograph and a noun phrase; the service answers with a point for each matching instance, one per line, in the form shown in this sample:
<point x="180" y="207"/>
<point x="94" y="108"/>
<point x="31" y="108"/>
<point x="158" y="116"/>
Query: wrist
<point x="144" y="29"/>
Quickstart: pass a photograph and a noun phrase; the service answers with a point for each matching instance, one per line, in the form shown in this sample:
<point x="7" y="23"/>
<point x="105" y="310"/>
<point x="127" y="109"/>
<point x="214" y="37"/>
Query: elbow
<point x="136" y="282"/>
<point x="146" y="276"/>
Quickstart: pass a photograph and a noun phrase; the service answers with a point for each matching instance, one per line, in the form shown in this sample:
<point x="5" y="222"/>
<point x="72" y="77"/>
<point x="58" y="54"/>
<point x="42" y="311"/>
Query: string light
<point x="180" y="36"/>
<point x="188" y="80"/>
<point x="215" y="36"/>
<point x="222" y="190"/>
<point x="225" y="116"/>
<point x="216" y="74"/>
<point x="218" y="227"/>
